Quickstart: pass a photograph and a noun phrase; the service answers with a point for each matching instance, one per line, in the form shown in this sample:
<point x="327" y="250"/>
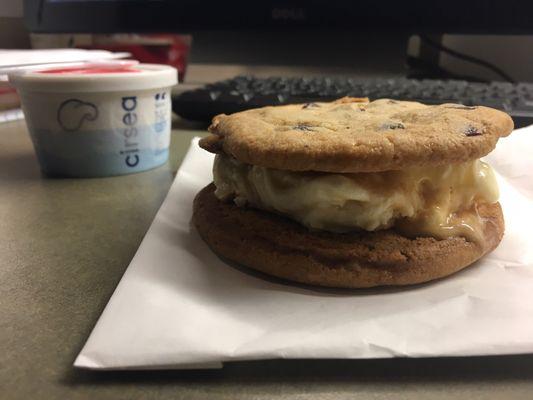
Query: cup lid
<point x="94" y="77"/>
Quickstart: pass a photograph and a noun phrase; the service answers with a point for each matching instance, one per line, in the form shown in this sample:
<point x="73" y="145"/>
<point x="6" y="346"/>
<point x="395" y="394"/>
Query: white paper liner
<point x="179" y="306"/>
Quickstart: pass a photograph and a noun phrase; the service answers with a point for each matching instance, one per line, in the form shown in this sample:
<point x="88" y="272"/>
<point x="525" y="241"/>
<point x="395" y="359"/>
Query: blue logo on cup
<point x="72" y="113"/>
<point x="130" y="132"/>
<point x="160" y="112"/>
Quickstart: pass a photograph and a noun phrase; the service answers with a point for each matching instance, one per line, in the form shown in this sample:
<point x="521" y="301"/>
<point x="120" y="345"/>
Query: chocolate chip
<point x="393" y="125"/>
<point x="392" y="102"/>
<point x="303" y="127"/>
<point x="460" y="107"/>
<point x="310" y="105"/>
<point x="472" y="131"/>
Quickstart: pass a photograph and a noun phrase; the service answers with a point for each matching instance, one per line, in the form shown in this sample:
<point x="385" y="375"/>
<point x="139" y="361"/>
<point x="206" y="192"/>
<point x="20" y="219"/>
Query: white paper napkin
<point x="180" y="306"/>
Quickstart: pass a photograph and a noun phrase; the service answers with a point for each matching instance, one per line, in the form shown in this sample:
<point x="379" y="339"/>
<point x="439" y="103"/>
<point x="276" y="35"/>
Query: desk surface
<point x="64" y="245"/>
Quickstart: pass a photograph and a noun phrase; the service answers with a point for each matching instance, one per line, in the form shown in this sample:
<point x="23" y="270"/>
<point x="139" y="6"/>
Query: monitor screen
<point x="410" y="16"/>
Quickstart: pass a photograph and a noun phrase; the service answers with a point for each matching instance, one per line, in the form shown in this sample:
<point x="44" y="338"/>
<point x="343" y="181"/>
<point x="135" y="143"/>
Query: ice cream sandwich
<point x="353" y="193"/>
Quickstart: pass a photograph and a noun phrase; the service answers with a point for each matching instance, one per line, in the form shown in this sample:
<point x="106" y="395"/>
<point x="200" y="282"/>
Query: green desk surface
<point x="64" y="245"/>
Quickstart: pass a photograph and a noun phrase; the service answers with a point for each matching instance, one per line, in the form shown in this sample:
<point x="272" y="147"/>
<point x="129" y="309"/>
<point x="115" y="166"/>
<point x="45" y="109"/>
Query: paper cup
<point x="98" y="120"/>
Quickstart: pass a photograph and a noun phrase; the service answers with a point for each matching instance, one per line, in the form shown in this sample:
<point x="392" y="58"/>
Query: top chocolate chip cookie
<point x="354" y="135"/>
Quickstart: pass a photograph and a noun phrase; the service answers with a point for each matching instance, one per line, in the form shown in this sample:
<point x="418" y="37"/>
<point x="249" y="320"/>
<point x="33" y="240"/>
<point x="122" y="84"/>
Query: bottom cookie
<point x="278" y="246"/>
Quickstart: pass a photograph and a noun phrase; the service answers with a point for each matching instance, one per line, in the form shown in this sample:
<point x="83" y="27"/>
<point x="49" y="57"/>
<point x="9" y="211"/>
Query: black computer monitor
<point x="409" y="16"/>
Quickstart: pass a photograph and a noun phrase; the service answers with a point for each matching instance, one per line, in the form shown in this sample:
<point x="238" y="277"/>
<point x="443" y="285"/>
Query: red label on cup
<point x="90" y="70"/>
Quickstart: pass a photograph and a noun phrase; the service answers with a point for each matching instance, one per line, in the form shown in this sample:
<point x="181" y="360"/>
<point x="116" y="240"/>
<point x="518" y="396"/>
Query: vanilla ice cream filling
<point x="439" y="201"/>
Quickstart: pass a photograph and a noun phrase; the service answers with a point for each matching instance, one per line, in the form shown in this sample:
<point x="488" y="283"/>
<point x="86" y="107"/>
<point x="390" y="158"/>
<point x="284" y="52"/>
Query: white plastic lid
<point x="89" y="78"/>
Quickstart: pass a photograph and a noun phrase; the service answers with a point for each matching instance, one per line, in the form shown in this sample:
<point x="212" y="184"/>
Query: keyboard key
<point x="523" y="108"/>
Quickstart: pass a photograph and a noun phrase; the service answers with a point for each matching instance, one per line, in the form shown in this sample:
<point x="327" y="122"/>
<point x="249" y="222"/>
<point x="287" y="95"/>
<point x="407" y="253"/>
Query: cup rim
<point x="150" y="76"/>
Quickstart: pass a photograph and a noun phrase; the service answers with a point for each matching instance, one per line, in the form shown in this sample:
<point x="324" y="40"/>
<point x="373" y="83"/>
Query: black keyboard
<point x="244" y="92"/>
